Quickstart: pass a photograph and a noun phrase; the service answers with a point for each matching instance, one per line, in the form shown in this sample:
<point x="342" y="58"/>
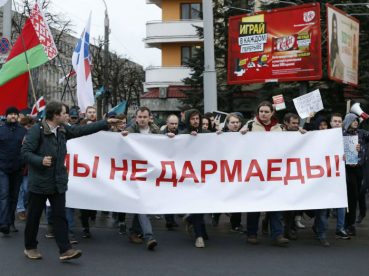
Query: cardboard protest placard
<point x="351" y="154"/>
<point x="308" y="103"/>
<point x="220" y="117"/>
<point x="278" y="102"/>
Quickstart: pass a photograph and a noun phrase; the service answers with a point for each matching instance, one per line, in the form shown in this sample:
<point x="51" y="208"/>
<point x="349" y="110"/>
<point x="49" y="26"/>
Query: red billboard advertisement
<point x="275" y="46"/>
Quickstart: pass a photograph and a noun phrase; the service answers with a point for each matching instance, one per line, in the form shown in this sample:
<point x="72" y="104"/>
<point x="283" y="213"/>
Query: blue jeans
<point x="23" y="195"/>
<point x="69" y="213"/>
<point x="321" y="221"/>
<point x="197" y="220"/>
<point x="9" y="190"/>
<point x="341" y="214"/>
<point x="142" y="224"/>
<point x="276" y="226"/>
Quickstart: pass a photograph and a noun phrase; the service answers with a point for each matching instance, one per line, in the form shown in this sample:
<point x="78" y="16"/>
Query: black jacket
<point x="41" y="142"/>
<point x="189" y="128"/>
<point x="11" y="138"/>
<point x="165" y="131"/>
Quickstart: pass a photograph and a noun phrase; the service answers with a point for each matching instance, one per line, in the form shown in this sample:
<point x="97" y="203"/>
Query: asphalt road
<point x="226" y="253"/>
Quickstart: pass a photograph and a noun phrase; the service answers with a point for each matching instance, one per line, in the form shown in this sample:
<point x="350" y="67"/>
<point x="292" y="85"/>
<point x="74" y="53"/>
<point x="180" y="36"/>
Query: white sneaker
<point x="298" y="223"/>
<point x="199" y="243"/>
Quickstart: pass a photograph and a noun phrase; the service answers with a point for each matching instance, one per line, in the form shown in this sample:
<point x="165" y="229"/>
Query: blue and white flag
<point x="81" y="65"/>
<point x="119" y="108"/>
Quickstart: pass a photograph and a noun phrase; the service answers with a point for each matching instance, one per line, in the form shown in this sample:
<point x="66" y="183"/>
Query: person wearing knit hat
<point x="12" y="110"/>
<point x="11" y="165"/>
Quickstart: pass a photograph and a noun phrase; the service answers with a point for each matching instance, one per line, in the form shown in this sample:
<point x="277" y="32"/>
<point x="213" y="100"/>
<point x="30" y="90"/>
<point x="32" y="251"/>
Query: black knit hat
<point x="11" y="110"/>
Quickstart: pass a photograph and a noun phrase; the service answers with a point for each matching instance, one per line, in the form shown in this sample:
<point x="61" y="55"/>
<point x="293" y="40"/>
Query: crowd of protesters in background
<point x="24" y="187"/>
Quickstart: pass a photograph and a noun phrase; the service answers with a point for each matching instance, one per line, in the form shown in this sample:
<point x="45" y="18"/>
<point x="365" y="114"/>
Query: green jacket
<point x="154" y="129"/>
<point x="41" y="142"/>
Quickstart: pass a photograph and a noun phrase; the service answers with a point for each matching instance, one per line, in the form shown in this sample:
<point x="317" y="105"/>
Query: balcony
<point x="158" y="32"/>
<point x="156" y="2"/>
<point x="165" y="76"/>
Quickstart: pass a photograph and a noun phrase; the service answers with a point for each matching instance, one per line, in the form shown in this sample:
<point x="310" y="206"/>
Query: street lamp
<point x="359" y="14"/>
<point x="236" y="8"/>
<point x="102" y="102"/>
<point x="288" y="2"/>
<point x="352" y="4"/>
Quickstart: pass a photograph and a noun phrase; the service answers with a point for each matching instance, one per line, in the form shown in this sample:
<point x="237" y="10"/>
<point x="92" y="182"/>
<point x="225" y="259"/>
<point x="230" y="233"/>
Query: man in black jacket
<point x="11" y="137"/>
<point x="172" y="125"/>
<point x="44" y="150"/>
<point x="195" y="222"/>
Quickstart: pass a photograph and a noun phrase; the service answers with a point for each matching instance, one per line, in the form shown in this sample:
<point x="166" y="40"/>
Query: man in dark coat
<point x="44" y="150"/>
<point x="11" y="137"/>
<point x="195" y="222"/>
<point x="354" y="173"/>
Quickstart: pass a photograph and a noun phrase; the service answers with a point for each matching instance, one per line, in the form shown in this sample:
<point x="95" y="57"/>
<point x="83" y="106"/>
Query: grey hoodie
<point x="349" y="118"/>
<point x="363" y="135"/>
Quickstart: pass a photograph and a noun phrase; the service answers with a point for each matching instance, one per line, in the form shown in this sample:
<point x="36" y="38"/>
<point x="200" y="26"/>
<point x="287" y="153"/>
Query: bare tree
<point x="125" y="76"/>
<point x="58" y="23"/>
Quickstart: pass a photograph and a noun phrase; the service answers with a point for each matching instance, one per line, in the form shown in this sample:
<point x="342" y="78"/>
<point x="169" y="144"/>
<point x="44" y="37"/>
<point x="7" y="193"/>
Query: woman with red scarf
<point x="265" y="121"/>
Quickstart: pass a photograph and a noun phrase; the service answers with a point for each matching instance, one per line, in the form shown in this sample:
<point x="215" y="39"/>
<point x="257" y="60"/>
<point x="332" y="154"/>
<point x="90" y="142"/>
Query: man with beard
<point x="195" y="222"/>
<point x="11" y="137"/>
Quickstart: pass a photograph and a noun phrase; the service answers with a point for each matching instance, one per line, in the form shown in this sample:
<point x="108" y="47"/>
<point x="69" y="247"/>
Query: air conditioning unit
<point x="163" y="92"/>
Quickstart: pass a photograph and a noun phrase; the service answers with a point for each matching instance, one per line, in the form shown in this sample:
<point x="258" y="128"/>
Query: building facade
<point x="175" y="35"/>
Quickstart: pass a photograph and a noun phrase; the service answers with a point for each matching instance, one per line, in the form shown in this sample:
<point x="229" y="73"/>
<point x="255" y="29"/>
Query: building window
<point x="187" y="52"/>
<point x="191" y="11"/>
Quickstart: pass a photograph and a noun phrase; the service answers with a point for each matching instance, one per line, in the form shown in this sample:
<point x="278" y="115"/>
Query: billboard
<point x="275" y="46"/>
<point x="343" y="46"/>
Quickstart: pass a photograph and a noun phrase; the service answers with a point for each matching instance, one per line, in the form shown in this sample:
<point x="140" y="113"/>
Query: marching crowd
<point x="32" y="171"/>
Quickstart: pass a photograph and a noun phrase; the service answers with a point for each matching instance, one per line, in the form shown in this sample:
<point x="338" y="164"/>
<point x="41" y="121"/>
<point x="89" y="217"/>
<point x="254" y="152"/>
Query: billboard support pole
<point x="210" y="75"/>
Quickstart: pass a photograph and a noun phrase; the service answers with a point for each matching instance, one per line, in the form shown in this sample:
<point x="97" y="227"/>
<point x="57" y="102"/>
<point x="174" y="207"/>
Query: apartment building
<point x="175" y="35"/>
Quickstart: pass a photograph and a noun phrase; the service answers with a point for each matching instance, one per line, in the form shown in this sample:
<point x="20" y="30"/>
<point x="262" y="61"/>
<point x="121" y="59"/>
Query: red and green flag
<point x="34" y="47"/>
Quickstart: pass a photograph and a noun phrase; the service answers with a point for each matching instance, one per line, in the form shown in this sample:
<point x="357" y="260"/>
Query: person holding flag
<point x="11" y="137"/>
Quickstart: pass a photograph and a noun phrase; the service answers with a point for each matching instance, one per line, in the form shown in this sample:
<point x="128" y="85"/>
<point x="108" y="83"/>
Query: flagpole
<point x="25" y="54"/>
<point x="67" y="84"/>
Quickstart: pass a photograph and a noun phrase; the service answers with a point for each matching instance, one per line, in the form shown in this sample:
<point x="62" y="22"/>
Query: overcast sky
<point x="127" y="23"/>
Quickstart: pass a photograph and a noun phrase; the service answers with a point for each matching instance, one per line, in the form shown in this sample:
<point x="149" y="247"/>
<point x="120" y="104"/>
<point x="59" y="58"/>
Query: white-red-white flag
<point x="38" y="106"/>
<point x="67" y="76"/>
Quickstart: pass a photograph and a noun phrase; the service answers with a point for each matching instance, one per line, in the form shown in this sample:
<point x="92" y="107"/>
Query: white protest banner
<point x="351" y="154"/>
<point x="207" y="173"/>
<point x="308" y="103"/>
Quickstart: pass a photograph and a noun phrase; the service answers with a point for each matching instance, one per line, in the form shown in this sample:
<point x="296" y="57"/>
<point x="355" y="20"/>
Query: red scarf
<point x="273" y="122"/>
